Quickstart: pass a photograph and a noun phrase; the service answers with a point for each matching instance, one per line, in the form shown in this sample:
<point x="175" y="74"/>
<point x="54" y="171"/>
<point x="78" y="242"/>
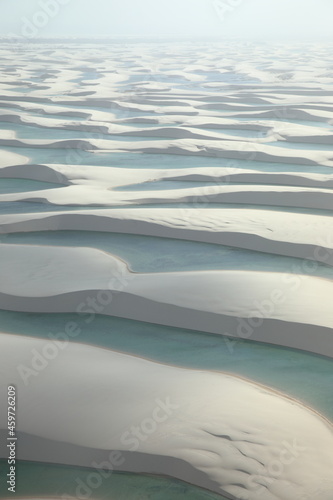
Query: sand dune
<point x="218" y="148"/>
<point x="221" y="143"/>
<point x="50" y="279"/>
<point x="231" y="432"/>
<point x="302" y="235"/>
<point x="93" y="195"/>
<point x="111" y="177"/>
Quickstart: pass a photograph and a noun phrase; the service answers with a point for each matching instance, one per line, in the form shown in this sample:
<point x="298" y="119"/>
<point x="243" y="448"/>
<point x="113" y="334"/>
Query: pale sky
<point x="283" y="19"/>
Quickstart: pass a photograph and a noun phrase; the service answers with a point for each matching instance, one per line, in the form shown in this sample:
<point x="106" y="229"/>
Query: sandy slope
<point x="256" y="119"/>
<point x="232" y="431"/>
<point x="53" y="279"/>
<point x="113" y="177"/>
<point x="305" y="236"/>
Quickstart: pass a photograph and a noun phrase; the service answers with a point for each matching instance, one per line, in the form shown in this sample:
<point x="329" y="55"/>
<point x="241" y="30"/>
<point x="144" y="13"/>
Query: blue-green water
<point x="76" y="156"/>
<point x="37" y="480"/>
<point x="23" y="185"/>
<point x="165" y="185"/>
<point x="21" y="207"/>
<point x="55" y="134"/>
<point x="303" y="146"/>
<point x="304" y="376"/>
<point x="31" y="113"/>
<point x="34" y="207"/>
<point x="151" y="254"/>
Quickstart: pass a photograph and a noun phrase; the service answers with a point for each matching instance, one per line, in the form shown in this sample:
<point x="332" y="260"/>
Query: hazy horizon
<point x="242" y="19"/>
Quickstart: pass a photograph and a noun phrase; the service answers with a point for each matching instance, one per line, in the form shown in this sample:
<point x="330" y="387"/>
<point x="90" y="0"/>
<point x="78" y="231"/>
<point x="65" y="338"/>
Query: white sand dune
<point x="47" y="109"/>
<point x="111" y="177"/>
<point x="7" y="158"/>
<point x="95" y="195"/>
<point x="251" y="126"/>
<point x="305" y="236"/>
<point x="52" y="279"/>
<point x="234" y="433"/>
<point x="239" y="150"/>
<point x="296" y="114"/>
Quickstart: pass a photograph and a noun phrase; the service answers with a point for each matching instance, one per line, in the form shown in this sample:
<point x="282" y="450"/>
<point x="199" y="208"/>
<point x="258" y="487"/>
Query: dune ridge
<point x="226" y="143"/>
<point x="220" y="441"/>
